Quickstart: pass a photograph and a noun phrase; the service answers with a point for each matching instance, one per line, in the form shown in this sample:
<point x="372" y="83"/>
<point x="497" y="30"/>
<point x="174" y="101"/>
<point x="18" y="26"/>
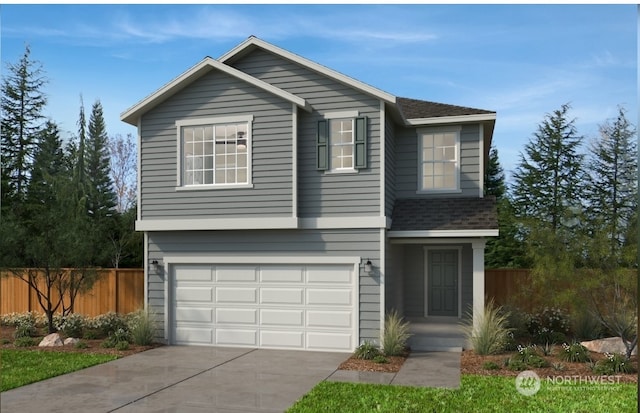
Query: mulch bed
<point x="93" y="346"/>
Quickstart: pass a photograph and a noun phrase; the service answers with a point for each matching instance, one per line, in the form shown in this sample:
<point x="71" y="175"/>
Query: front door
<point x="442" y="285"/>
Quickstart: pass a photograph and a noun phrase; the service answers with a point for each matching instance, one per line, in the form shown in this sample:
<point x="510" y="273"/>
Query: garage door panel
<point x="194" y="294"/>
<point x="281" y="274"/>
<point x="286" y="318"/>
<point x="297" y="306"/>
<point x="332" y="296"/>
<point x="291" y="339"/>
<point x="236" y="337"/>
<point x="194" y="335"/>
<point x="194" y="315"/>
<point x="333" y="341"/>
<point x="329" y="274"/>
<point x="240" y="295"/>
<point x="281" y="296"/>
<point x="236" y="273"/>
<point x="193" y="273"/>
<point x="319" y="318"/>
<point x="236" y="315"/>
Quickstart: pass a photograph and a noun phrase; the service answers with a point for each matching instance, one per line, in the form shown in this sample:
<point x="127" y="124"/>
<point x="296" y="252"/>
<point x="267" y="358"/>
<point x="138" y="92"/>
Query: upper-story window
<point x="215" y="152"/>
<point x="439" y="160"/>
<point x="342" y="142"/>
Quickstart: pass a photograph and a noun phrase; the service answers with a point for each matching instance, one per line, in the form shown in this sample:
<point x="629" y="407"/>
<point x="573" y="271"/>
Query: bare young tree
<point x="123" y="170"/>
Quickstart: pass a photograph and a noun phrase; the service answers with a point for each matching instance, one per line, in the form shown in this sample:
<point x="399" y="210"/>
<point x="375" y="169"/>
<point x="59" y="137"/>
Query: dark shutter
<point x="322" y="145"/>
<point x="360" y="143"/>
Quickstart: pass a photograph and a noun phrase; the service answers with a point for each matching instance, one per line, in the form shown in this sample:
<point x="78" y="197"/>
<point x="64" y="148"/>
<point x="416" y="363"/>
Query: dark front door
<point x="442" y="287"/>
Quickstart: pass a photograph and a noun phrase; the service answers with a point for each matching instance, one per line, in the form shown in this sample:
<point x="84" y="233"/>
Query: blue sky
<point x="522" y="61"/>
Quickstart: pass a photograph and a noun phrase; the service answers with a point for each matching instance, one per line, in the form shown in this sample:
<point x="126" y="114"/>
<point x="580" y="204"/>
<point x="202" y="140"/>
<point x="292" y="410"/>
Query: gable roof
<point x="443" y="214"/>
<point x="208" y="64"/>
<point x="253" y="42"/>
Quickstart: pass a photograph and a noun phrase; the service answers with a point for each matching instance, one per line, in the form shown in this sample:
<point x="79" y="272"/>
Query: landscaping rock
<point x="52" y="340"/>
<point x="608" y="345"/>
<point x="70" y="341"/>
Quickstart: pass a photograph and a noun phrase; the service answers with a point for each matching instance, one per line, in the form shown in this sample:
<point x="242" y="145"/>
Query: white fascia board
<point x="132" y="114"/>
<point x="368" y="89"/>
<point x="217" y="224"/>
<point x="343" y="222"/>
<point x="453" y="233"/>
<point x="451" y="119"/>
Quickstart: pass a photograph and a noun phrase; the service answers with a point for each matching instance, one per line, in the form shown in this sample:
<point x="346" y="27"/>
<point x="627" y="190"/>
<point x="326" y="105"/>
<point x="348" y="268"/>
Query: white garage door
<point x="268" y="306"/>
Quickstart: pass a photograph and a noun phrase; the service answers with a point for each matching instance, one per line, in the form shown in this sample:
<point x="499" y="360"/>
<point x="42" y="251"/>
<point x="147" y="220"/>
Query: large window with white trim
<point x="215" y="153"/>
<point x="439" y="166"/>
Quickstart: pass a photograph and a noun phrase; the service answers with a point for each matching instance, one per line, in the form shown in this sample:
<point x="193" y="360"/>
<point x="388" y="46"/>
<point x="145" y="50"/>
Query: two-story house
<point x="286" y="205"/>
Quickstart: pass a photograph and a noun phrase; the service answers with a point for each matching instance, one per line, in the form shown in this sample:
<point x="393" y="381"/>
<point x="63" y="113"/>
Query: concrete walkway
<point x="212" y="379"/>
<point x="423" y="369"/>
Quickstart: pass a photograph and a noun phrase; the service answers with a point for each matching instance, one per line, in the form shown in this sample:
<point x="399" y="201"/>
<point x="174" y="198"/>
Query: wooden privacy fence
<point x="117" y="289"/>
<point x="505" y="286"/>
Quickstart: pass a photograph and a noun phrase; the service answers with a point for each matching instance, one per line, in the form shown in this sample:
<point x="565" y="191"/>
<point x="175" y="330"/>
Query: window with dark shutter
<point x="360" y="143"/>
<point x="322" y="146"/>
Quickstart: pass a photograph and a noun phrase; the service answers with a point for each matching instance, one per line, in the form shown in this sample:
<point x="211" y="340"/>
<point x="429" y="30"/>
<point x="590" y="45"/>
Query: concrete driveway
<point x="181" y="379"/>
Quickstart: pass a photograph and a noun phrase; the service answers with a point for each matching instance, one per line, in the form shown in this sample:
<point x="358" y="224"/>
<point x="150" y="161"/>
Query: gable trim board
<point x="133" y="114"/>
<point x="439" y="120"/>
<point x="294" y="160"/>
<point x="444" y="233"/>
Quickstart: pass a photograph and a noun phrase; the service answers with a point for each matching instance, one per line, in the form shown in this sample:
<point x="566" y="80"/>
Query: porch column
<point x="478" y="279"/>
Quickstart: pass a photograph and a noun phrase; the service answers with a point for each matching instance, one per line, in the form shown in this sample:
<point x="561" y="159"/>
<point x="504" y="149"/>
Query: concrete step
<point x="435" y="343"/>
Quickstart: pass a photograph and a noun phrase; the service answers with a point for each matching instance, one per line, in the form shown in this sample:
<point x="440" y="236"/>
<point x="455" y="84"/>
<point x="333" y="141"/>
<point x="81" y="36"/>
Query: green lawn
<point x="476" y="394"/>
<point x="20" y="367"/>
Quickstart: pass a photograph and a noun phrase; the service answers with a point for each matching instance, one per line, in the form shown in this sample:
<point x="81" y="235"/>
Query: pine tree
<point x="494" y="176"/>
<point x="547" y="182"/>
<point x="22" y="103"/>
<point x="101" y="199"/>
<point x="612" y="195"/>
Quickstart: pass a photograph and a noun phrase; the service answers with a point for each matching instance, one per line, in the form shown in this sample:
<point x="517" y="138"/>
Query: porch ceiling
<point x="445" y="214"/>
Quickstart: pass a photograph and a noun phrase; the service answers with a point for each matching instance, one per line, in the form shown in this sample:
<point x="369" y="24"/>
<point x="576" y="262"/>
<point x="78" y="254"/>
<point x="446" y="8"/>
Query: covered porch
<point x="435" y="266"/>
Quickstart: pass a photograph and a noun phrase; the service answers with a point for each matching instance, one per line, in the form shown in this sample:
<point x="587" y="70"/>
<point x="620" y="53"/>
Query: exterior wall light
<point x="368" y="267"/>
<point x="155" y="265"/>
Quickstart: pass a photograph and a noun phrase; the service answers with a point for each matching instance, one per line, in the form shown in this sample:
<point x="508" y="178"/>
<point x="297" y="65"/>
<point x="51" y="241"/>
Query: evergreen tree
<point x="547" y="182"/>
<point x="612" y="195"/>
<point x="21" y="106"/>
<point x="507" y="249"/>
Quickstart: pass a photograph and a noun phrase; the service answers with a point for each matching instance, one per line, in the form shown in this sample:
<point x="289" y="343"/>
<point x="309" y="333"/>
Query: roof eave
<point x="254" y="41"/>
<point x="480" y="117"/>
<point x="132" y="114"/>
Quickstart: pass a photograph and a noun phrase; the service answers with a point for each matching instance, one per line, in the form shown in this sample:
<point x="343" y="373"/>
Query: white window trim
<point x="455" y="129"/>
<point x="353" y="114"/>
<point x="180" y="123"/>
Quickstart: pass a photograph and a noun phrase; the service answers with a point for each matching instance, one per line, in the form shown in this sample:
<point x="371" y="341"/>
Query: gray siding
<point x="329" y="243"/>
<point x="414" y="278"/>
<point x="320" y="193"/>
<point x="390" y="166"/>
<point x="407" y="163"/>
<point x="218" y="94"/>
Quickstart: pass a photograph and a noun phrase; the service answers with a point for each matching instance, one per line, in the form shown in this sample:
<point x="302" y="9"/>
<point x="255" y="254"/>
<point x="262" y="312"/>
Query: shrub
<point x="90" y="334"/>
<point x="25" y="328"/>
<point x="490" y="365"/>
<point x="122" y="345"/>
<point x="396" y="334"/>
<point x="118" y="336"/>
<point x="558" y="366"/>
<point x="108" y="323"/>
<point x="491" y="334"/>
<point x="515" y="365"/>
<point x="13" y="319"/>
<point x="142" y="326"/>
<point x="574" y="353"/>
<point x="367" y="351"/>
<point x="548" y="326"/>
<point x="530" y="357"/>
<point x="24" y="342"/>
<point x="586" y="327"/>
<point x="72" y="325"/>
<point x="613" y="364"/>
<point x="380" y="359"/>
<point x="81" y="344"/>
<point x="5" y="341"/>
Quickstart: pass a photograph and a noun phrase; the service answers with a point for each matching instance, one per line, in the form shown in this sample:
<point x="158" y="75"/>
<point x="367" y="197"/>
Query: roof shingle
<point x="444" y="214"/>
<point x="418" y="109"/>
